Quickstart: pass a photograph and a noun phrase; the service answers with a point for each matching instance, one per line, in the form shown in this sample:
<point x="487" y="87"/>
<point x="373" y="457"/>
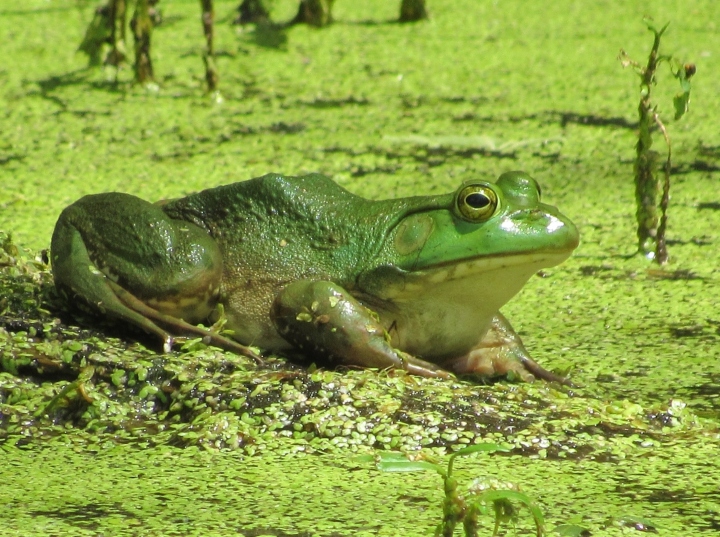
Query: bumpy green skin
<point x="301" y="263"/>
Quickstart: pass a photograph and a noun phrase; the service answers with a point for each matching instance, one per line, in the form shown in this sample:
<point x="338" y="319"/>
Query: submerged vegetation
<point x="484" y="497"/>
<point x="651" y="229"/>
<point x="108" y="28"/>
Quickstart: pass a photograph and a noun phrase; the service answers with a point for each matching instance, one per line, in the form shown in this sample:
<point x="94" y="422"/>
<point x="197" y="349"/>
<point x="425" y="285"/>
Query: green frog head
<point x="452" y="261"/>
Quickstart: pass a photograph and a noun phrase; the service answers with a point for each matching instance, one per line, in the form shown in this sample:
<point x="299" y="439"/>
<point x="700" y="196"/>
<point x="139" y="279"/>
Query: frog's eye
<point x="476" y="203"/>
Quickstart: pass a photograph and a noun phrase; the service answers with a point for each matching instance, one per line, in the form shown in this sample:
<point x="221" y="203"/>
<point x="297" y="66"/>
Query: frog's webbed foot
<point x="147" y="314"/>
<point x="502" y="353"/>
<point x="416" y="366"/>
<point x="320" y="317"/>
<point x="123" y="305"/>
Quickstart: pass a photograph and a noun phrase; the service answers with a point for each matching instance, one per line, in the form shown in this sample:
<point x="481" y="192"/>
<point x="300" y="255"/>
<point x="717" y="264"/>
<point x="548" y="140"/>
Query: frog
<point x="300" y="265"/>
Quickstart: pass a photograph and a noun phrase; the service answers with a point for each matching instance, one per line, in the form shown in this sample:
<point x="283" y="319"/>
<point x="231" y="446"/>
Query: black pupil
<point x="477" y="200"/>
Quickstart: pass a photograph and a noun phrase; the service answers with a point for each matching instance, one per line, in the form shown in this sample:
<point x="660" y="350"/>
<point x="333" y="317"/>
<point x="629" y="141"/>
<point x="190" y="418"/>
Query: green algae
<point x="387" y="110"/>
<point x="76" y="489"/>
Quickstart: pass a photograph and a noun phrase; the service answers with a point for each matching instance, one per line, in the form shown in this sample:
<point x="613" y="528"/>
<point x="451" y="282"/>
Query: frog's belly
<point x="247" y="312"/>
<point x="255" y="331"/>
<point x="447" y="319"/>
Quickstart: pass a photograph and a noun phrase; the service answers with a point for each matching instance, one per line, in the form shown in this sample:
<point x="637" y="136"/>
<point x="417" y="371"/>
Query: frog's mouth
<point x="508" y="270"/>
<point x="494" y="278"/>
<point x="475" y="267"/>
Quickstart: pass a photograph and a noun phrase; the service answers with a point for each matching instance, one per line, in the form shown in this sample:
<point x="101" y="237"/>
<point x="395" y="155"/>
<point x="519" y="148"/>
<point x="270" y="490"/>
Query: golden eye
<point x="476" y="202"/>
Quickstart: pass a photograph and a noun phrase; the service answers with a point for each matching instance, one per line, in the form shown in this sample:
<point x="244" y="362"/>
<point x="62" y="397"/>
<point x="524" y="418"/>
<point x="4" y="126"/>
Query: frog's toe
<point x="168" y="343"/>
<point x="490" y="363"/>
<point x="145" y="317"/>
<point x="416" y="366"/>
<point x="501" y="353"/>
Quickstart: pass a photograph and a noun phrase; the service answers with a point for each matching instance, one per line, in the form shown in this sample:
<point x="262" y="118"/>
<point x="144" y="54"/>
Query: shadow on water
<point x="711" y="151"/>
<point x="47" y="87"/>
<point x="547" y="117"/>
<point x="42" y="11"/>
<point x="267" y="35"/>
<point x="271" y="36"/>
<point x="274" y="35"/>
<point x="369" y="22"/>
<point x="695" y="166"/>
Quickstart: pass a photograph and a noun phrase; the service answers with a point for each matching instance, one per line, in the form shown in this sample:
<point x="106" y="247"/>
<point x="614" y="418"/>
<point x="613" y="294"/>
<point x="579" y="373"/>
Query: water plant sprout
<point x="484" y="496"/>
<point x="651" y="229"/>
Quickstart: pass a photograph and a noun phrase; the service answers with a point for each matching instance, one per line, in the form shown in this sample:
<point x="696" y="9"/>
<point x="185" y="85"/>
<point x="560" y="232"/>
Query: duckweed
<point x="237" y="449"/>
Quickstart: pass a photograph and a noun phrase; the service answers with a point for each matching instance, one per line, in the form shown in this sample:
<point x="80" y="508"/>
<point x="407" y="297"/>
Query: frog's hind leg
<point x="78" y="278"/>
<point x="104" y="244"/>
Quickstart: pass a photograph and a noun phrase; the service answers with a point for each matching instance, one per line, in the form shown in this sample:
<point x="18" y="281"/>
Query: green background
<point x="393" y="110"/>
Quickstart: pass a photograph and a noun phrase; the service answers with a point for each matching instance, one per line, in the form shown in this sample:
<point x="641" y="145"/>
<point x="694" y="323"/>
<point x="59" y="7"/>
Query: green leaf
<point x="681" y="102"/>
<point x="507" y="495"/>
<point x="651" y="26"/>
<point x="395" y="461"/>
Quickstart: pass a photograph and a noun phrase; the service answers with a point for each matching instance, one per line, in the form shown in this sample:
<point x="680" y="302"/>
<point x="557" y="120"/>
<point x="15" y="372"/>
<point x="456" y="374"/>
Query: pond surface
<point x="201" y="442"/>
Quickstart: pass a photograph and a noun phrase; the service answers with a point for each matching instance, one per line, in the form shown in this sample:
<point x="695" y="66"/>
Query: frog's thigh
<point x="77" y="277"/>
<point x="322" y="317"/>
<point x="125" y="258"/>
<point x="501" y="352"/>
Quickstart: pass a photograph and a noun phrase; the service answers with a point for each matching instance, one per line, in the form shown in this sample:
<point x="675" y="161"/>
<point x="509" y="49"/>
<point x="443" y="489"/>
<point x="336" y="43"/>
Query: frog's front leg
<point x="320" y="317"/>
<point x="501" y="352"/>
<point x="124" y="257"/>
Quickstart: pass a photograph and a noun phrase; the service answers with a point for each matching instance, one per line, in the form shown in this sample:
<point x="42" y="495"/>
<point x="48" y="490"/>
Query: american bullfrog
<point x="301" y="264"/>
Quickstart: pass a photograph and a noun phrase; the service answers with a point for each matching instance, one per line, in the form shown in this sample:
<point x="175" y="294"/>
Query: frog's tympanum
<point x="299" y="263"/>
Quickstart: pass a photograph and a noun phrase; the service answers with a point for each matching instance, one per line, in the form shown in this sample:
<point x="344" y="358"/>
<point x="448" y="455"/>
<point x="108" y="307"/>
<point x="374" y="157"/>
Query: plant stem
<point x="253" y="11"/>
<point x="413" y="10"/>
<point x="211" y="73"/>
<point x="117" y="15"/>
<point x="661" y="253"/>
<point x="142" y="27"/>
<point x="314" y="12"/>
<point x="646" y="183"/>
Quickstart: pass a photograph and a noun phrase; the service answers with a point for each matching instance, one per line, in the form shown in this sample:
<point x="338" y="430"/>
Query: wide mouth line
<point x="527" y="256"/>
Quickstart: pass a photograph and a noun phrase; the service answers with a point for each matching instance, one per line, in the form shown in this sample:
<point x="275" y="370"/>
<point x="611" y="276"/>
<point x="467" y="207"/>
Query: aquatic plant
<point x="314" y="12"/>
<point x="413" y="10"/>
<point x="109" y="27"/>
<point x="484" y="497"/>
<point x="651" y="229"/>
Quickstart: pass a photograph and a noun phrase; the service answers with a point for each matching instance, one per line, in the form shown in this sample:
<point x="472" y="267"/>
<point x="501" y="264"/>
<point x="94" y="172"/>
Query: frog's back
<point x="305" y="223"/>
<point x="273" y="230"/>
